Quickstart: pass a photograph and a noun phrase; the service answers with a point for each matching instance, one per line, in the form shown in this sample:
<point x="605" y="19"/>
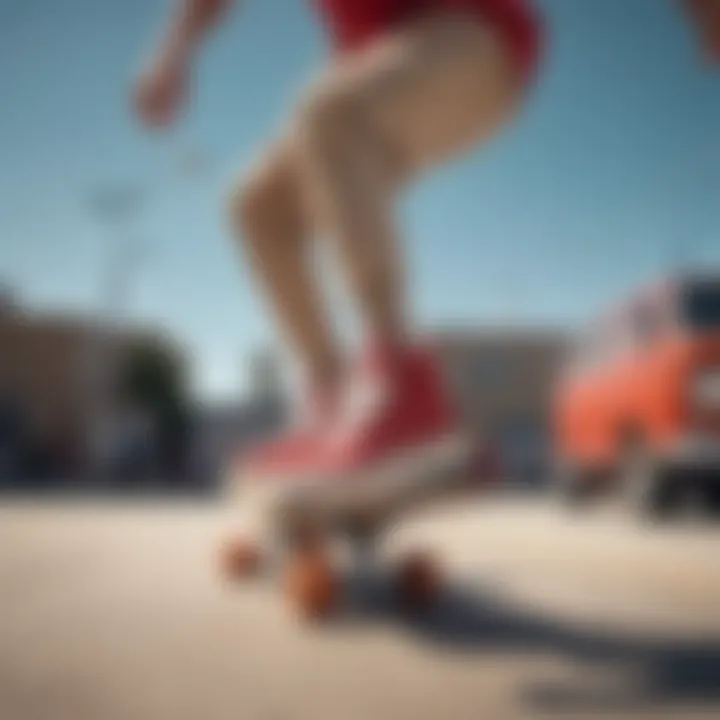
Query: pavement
<point x="114" y="611"/>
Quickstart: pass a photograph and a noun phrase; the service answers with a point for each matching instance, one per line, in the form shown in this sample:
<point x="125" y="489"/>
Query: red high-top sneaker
<point x="397" y="428"/>
<point x="289" y="456"/>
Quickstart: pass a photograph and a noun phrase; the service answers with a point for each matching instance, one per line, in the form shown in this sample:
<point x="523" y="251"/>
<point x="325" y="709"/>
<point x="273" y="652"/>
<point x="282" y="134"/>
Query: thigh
<point x="431" y="89"/>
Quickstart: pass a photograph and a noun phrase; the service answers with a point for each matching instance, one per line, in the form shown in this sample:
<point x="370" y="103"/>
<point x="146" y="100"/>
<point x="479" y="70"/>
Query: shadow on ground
<point x="656" y="671"/>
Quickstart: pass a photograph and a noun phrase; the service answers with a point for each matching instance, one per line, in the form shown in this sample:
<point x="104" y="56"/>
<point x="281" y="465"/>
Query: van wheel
<point x="713" y="499"/>
<point x="573" y="486"/>
<point x="650" y="490"/>
<point x="702" y="498"/>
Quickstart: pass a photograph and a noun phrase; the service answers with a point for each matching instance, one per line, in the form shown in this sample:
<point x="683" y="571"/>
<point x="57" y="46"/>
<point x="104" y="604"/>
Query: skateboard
<point x="316" y="533"/>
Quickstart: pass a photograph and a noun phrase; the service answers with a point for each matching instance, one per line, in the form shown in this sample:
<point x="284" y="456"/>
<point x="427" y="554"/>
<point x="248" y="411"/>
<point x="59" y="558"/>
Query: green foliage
<point x="153" y="378"/>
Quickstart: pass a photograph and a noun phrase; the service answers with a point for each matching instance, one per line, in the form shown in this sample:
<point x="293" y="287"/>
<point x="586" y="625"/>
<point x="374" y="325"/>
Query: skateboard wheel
<point x="311" y="584"/>
<point x="240" y="558"/>
<point x="418" y="582"/>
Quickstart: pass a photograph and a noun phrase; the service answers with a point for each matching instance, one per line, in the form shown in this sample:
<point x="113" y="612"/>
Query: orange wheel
<point x="311" y="584"/>
<point x="240" y="559"/>
<point x="418" y="582"/>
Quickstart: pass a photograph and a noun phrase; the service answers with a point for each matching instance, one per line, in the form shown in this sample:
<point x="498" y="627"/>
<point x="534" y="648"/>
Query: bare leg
<point x="409" y="101"/>
<point x="354" y="191"/>
<point x="375" y="121"/>
<point x="269" y="218"/>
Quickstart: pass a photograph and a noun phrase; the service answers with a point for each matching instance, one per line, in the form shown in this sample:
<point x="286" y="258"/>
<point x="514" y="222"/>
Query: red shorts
<point x="353" y="23"/>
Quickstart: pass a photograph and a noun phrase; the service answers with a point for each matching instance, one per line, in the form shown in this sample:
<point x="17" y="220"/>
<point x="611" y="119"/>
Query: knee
<point x="257" y="201"/>
<point x="247" y="204"/>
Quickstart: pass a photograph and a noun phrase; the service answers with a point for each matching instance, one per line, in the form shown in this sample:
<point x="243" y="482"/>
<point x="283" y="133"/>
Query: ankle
<point x="324" y="380"/>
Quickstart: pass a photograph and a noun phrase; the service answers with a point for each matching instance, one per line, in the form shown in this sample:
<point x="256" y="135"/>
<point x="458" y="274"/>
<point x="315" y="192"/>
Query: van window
<point x="701" y="306"/>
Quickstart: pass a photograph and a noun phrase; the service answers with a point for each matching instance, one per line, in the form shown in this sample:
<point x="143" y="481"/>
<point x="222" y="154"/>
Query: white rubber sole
<point x="420" y="474"/>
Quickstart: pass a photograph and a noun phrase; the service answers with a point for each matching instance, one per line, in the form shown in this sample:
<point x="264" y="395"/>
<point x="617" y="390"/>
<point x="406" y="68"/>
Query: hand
<point x="161" y="92"/>
<point x="706" y="17"/>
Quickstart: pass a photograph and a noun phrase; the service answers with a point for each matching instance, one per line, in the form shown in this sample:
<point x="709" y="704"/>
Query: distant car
<point x="638" y="403"/>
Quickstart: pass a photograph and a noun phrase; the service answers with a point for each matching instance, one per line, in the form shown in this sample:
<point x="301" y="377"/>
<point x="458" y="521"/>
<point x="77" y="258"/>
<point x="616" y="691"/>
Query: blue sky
<point x="615" y="162"/>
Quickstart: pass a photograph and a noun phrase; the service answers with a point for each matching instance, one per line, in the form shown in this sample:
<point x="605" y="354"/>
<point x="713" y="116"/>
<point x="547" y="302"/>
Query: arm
<point x="163" y="87"/>
<point x="191" y="22"/>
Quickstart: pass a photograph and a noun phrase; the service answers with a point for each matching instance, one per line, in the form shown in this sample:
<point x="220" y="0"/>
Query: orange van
<point x="637" y="405"/>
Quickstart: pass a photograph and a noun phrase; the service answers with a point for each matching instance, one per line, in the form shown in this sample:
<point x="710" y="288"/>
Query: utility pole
<point x="117" y="209"/>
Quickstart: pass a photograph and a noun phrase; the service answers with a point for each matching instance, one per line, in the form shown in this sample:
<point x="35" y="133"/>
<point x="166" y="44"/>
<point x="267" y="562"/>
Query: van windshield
<point x="701" y="306"/>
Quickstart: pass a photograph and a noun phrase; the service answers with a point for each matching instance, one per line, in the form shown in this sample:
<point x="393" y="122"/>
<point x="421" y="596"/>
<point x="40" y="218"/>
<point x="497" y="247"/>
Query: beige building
<point x="503" y="380"/>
